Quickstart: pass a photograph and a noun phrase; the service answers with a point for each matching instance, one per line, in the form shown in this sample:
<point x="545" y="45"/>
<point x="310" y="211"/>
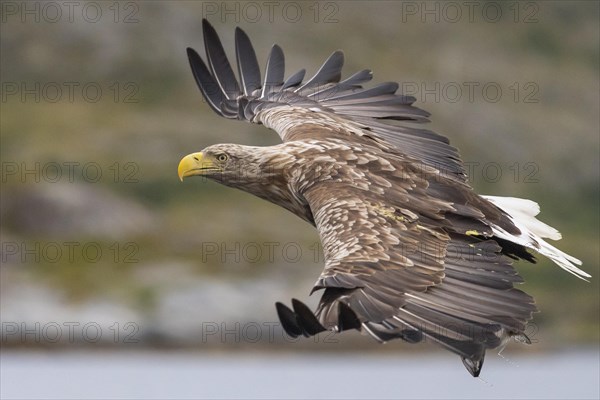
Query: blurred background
<point x="115" y="273"/>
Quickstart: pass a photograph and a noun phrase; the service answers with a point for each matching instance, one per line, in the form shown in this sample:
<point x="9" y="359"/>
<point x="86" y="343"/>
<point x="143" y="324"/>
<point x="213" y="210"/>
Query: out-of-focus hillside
<point x="95" y="116"/>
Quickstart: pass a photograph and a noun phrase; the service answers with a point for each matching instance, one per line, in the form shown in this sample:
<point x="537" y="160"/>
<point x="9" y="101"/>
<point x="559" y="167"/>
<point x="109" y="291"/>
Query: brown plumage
<point x="411" y="251"/>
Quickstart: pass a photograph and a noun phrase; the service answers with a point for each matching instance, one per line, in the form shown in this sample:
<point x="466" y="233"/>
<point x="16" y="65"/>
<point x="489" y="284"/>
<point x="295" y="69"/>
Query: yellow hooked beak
<point x="195" y="164"/>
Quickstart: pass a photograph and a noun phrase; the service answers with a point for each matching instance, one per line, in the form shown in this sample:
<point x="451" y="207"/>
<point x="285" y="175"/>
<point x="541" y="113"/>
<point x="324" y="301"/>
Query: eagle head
<point x="229" y="164"/>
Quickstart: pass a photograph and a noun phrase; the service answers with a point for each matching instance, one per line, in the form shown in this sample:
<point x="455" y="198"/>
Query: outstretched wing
<point x="411" y="252"/>
<point x="294" y="107"/>
<point x="400" y="265"/>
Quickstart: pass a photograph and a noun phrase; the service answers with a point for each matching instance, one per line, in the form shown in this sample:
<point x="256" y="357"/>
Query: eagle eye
<point x="222" y="157"/>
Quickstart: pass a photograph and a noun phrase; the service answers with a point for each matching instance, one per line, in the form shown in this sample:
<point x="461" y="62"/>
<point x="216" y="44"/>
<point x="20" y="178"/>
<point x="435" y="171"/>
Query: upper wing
<point x="399" y="265"/>
<point x="294" y="106"/>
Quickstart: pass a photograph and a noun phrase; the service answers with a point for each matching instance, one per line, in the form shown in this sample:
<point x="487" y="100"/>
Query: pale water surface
<point x="179" y="375"/>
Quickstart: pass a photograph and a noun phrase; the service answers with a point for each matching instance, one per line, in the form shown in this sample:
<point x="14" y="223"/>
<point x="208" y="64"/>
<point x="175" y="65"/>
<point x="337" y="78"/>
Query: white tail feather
<point x="522" y="213"/>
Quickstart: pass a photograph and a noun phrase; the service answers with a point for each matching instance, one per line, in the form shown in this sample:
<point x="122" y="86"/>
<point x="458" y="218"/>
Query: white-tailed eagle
<point x="411" y="251"/>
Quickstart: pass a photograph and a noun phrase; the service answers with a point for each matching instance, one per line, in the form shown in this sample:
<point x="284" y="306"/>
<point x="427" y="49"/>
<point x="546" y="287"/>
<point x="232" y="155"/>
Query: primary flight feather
<point x="411" y="251"/>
